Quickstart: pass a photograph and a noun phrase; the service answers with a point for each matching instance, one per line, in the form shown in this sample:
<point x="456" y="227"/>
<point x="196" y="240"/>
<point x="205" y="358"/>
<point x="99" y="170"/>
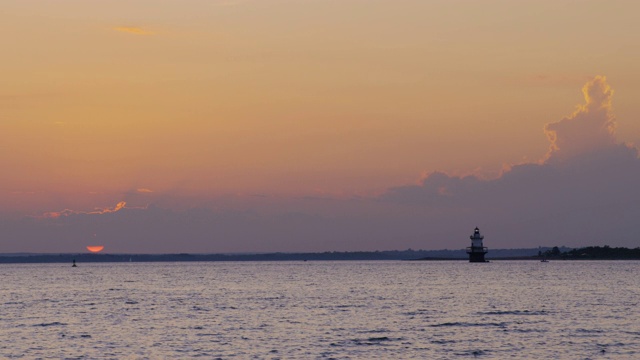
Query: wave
<point x="514" y="312"/>
<point x="55" y="323"/>
<point x="465" y="324"/>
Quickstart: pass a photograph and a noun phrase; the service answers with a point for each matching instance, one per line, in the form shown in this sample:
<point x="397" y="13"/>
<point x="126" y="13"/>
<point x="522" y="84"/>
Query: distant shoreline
<point x="534" y="254"/>
<point x="275" y="256"/>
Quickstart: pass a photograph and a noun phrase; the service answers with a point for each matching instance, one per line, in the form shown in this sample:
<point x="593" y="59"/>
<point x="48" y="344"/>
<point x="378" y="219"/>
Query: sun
<point x="95" y="249"/>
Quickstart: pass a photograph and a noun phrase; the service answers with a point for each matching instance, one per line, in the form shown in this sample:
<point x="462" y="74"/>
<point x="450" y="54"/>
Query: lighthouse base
<point x="476" y="257"/>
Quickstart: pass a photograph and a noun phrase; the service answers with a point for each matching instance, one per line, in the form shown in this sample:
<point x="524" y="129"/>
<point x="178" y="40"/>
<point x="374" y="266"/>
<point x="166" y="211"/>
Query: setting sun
<point x="95" y="249"/>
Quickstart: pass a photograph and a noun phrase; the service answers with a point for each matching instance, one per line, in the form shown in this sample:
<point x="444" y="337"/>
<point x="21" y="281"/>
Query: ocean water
<point x="321" y="310"/>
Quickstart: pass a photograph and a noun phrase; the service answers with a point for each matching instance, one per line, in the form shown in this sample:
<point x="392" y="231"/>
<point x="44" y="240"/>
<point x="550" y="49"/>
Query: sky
<point x="210" y="126"/>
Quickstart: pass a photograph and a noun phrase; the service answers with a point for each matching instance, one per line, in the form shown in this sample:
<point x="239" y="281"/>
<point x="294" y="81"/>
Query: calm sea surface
<point x="322" y="310"/>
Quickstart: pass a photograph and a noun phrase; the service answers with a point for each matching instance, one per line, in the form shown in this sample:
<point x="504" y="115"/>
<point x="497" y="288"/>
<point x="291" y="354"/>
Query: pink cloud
<point x="98" y="211"/>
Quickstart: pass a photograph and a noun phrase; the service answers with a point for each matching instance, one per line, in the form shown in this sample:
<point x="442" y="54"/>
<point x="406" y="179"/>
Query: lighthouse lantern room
<point x="476" y="251"/>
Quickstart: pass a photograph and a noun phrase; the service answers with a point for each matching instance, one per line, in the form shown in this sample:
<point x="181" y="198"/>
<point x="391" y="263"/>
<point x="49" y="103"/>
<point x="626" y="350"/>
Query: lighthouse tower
<point x="476" y="251"/>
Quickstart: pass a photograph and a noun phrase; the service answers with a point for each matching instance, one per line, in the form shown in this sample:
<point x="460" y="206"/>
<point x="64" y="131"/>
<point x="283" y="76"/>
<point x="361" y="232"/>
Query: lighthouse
<point x="476" y="251"/>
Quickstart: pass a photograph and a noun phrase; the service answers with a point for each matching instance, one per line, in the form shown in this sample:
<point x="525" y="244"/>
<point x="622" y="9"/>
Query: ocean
<point x="321" y="310"/>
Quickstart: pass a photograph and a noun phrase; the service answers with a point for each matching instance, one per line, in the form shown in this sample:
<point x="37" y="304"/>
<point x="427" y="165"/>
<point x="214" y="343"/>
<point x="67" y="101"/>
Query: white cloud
<point x="590" y="128"/>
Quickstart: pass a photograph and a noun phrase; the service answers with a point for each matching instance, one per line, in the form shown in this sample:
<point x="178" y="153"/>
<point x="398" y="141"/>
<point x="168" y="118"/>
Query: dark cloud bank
<point x="584" y="192"/>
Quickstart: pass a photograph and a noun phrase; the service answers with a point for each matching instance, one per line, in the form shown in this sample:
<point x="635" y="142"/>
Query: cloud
<point x="133" y="30"/>
<point x="590" y="128"/>
<point x="584" y="192"/>
<point x="119" y="206"/>
<point x="97" y="211"/>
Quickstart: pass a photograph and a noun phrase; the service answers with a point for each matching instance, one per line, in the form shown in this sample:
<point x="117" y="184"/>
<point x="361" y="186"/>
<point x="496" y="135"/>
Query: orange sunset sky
<point x="297" y="118"/>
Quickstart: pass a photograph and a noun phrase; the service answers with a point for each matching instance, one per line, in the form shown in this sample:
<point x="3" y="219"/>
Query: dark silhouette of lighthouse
<point x="476" y="251"/>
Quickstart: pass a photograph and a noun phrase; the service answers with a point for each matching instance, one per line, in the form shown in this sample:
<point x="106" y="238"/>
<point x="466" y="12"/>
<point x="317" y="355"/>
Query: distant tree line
<point x="587" y="253"/>
<point x="592" y="253"/>
<point x="408" y="254"/>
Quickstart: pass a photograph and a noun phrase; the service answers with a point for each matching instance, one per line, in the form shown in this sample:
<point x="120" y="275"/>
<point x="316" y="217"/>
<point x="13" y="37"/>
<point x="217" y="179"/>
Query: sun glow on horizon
<point x="95" y="249"/>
